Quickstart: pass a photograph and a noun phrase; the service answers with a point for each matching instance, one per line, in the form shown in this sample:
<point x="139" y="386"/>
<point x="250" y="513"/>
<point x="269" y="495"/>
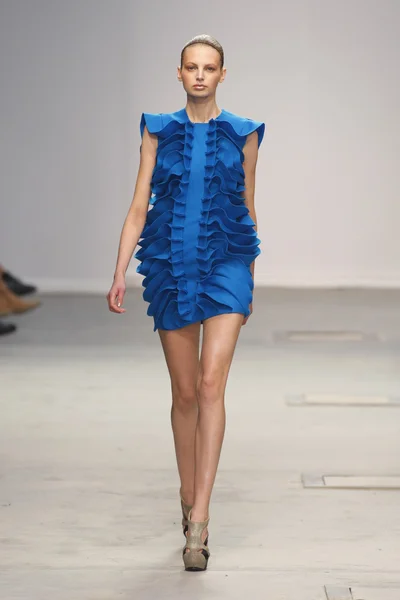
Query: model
<point x="198" y="244"/>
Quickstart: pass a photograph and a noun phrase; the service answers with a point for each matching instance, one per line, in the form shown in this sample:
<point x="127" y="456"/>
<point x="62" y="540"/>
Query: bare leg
<point x="181" y="350"/>
<point x="220" y="335"/>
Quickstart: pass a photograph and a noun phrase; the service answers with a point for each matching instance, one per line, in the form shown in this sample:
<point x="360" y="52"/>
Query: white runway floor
<point x="89" y="502"/>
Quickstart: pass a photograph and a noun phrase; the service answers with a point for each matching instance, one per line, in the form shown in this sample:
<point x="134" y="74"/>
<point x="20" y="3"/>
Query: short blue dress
<point x="198" y="240"/>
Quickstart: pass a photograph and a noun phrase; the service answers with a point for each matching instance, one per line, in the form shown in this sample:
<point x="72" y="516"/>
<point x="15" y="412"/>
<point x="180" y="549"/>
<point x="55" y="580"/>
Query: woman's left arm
<point x="250" y="151"/>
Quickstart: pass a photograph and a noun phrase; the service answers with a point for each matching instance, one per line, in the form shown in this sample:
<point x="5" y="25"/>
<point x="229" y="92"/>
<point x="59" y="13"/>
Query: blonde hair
<point x="205" y="39"/>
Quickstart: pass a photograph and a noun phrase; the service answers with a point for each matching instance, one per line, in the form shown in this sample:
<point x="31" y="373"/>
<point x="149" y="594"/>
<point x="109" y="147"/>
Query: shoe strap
<point x="195" y="529"/>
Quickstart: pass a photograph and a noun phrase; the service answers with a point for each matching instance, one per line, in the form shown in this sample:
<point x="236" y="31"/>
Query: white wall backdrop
<point x="75" y="77"/>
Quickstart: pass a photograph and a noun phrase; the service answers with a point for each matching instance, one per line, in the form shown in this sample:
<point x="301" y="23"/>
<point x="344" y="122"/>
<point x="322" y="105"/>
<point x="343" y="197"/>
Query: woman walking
<point x="198" y="244"/>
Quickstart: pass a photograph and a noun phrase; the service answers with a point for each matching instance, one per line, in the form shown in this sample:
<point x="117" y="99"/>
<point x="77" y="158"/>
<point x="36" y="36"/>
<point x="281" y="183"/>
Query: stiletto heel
<point x="197" y="557"/>
<point x="186" y="508"/>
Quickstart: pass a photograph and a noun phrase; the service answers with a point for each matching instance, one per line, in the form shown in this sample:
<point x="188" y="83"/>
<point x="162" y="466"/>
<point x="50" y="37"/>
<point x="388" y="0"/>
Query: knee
<point x="184" y="397"/>
<point x="209" y="388"/>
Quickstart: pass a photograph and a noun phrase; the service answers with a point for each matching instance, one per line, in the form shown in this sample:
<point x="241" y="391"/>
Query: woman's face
<point x="201" y="71"/>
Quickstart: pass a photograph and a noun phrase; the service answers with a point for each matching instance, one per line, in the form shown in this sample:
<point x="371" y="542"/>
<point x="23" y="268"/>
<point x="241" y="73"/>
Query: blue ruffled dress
<point x="199" y="239"/>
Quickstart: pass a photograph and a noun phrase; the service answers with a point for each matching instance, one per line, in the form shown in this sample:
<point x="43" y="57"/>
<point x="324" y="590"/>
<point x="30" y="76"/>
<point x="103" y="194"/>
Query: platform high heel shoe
<point x="196" y="553"/>
<point x="186" y="508"/>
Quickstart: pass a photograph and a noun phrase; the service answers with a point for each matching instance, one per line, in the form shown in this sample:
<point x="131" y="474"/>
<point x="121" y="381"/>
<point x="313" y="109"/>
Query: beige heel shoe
<point x="11" y="303"/>
<point x="196" y="558"/>
<point x="186" y="508"/>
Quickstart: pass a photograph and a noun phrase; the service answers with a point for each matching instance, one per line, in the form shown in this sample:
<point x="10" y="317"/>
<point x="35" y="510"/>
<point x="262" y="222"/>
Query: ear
<point x="179" y="73"/>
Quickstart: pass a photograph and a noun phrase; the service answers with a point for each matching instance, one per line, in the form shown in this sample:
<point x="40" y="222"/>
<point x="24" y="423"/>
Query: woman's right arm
<point x="135" y="220"/>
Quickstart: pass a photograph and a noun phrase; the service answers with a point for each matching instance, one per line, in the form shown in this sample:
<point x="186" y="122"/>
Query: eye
<point x="211" y="69"/>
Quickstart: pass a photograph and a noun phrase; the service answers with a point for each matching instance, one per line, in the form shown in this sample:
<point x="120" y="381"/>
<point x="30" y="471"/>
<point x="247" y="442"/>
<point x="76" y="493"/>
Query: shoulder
<point x="156" y="122"/>
<point x="243" y="126"/>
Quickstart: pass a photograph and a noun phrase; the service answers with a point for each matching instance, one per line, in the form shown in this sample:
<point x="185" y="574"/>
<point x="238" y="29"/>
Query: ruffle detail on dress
<point x="161" y="244"/>
<point x="226" y="228"/>
<point x="184" y="301"/>
<point x="240" y="127"/>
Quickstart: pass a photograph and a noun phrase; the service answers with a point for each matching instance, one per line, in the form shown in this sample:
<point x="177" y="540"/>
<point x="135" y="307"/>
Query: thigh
<point x="220" y="334"/>
<point x="181" y="351"/>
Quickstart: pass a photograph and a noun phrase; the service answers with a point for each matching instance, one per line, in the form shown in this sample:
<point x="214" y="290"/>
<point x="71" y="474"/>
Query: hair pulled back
<point x="205" y="39"/>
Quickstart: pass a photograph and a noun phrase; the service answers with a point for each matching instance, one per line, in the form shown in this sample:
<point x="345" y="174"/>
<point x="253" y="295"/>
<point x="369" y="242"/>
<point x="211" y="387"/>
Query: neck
<point x="201" y="112"/>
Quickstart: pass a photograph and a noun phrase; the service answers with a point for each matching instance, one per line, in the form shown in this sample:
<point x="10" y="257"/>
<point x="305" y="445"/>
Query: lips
<point x="199" y="86"/>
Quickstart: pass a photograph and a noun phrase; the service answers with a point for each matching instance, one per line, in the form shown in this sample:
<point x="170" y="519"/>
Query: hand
<point x="245" y="319"/>
<point x="115" y="296"/>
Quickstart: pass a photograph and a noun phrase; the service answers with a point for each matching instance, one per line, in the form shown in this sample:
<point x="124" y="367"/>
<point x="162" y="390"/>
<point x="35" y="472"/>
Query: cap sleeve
<point x="249" y="126"/>
<point x="153" y="122"/>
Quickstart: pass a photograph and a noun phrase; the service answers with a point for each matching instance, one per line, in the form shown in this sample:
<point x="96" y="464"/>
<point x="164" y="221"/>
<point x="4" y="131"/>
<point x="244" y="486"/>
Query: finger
<point x="113" y="304"/>
<point x="120" y="298"/>
<point x="117" y="310"/>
